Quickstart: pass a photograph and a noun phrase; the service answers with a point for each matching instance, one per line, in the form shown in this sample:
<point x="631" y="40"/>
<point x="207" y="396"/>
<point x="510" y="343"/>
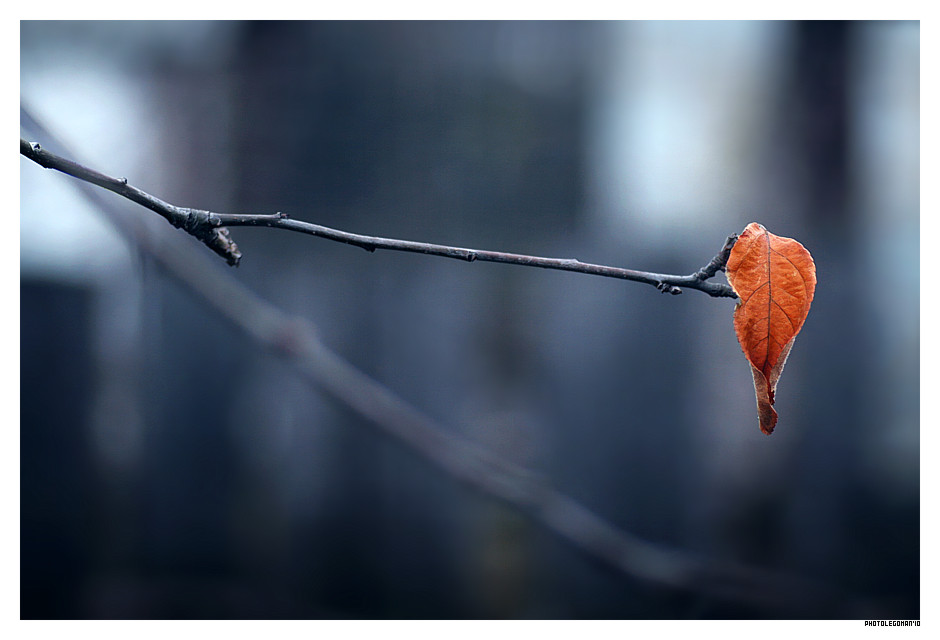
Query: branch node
<point x="471" y="256"/>
<point x="192" y="221"/>
<point x="665" y="287"/>
<point x="206" y="227"/>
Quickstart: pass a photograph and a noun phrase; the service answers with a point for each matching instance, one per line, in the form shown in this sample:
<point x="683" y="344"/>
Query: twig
<point x="296" y="340"/>
<point x="197" y="222"/>
<point x="211" y="228"/>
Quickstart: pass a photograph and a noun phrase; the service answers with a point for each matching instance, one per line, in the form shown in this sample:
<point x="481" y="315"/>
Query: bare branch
<point x="211" y="228"/>
<point x="196" y="222"/>
<point x="666" y="283"/>
<point x="296" y="340"/>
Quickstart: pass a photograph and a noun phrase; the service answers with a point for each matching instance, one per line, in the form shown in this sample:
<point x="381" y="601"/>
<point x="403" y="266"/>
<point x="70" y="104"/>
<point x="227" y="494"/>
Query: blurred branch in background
<point x="210" y="228"/>
<point x="296" y="340"/>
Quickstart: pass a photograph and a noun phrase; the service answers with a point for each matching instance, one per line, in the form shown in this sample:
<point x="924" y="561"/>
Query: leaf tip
<point x="768" y="422"/>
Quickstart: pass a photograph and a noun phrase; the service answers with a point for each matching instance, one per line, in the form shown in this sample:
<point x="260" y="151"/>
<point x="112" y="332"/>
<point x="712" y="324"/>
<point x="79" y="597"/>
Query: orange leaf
<point x="775" y="279"/>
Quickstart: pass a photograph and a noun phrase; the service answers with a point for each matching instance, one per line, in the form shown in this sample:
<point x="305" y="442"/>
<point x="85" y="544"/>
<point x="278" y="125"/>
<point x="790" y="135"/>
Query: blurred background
<point x="171" y="469"/>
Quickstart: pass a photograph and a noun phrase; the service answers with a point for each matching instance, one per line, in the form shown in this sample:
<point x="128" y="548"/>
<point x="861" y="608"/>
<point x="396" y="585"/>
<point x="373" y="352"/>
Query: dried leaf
<point x="775" y="279"/>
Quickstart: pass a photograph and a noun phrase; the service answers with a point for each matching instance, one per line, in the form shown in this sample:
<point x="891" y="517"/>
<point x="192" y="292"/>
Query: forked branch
<point x="212" y="229"/>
